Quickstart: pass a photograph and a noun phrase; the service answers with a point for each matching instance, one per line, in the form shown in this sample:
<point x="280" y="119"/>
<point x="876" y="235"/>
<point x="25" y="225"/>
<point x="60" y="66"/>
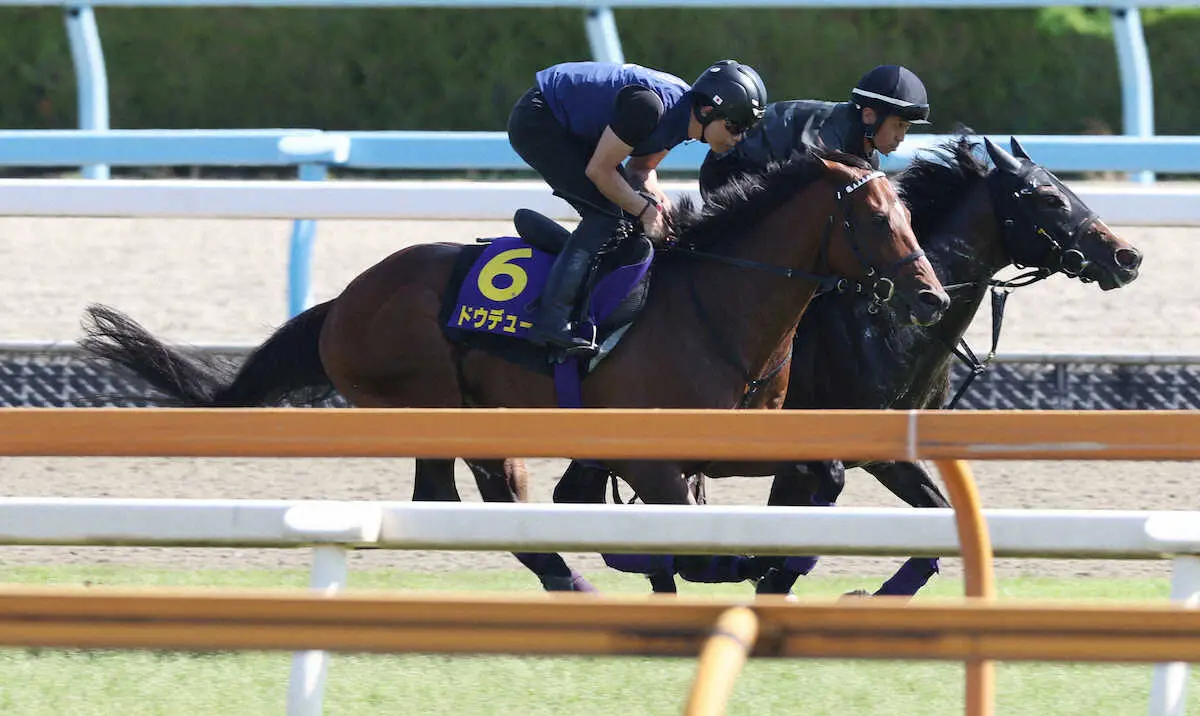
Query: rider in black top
<point x="882" y="107"/>
<point x="579" y="124"/>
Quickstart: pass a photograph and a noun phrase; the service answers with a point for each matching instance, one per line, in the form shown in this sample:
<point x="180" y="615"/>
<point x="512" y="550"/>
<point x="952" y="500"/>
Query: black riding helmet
<point x="892" y="89"/>
<point x="734" y="91"/>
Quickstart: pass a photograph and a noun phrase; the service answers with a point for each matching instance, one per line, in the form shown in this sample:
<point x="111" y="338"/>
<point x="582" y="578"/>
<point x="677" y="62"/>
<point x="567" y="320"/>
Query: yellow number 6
<point x="500" y="266"/>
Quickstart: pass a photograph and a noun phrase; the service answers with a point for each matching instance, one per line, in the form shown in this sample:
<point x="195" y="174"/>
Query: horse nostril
<point x="934" y="299"/>
<point x="1128" y="258"/>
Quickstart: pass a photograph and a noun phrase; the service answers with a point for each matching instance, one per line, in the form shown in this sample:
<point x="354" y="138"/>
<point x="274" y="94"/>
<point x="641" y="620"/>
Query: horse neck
<point x="965" y="248"/>
<point x="755" y="312"/>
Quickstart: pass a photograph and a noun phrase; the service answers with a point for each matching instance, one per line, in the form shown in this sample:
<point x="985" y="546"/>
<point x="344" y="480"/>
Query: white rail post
<point x="336" y="525"/>
<point x="1168" y="689"/>
<point x="306" y="687"/>
<point x="1180" y="536"/>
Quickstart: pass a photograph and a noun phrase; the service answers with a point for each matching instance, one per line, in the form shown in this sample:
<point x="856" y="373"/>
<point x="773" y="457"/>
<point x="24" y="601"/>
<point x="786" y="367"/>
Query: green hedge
<point x="1043" y="71"/>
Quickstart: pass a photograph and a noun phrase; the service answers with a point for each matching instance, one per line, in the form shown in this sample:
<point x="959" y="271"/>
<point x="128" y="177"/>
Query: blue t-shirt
<point x="581" y="95"/>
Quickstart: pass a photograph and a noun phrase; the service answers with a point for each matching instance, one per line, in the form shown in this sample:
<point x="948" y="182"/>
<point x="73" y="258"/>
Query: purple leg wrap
<point x="579" y="583"/>
<point x="800" y="565"/>
<point x="804" y="565"/>
<point x="553" y="572"/>
<point x="641" y="563"/>
<point x="911" y="576"/>
<point x="717" y="569"/>
<point x="781" y="579"/>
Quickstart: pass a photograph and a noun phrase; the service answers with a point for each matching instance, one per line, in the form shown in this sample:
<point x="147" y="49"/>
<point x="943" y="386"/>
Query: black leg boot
<point x="552" y="325"/>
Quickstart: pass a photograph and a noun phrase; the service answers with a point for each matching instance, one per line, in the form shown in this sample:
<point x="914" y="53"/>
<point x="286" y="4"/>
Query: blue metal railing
<point x="1133" y="59"/>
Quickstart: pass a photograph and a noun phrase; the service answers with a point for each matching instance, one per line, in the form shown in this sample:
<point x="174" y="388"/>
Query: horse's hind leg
<point x="505" y="481"/>
<point x="913" y="484"/>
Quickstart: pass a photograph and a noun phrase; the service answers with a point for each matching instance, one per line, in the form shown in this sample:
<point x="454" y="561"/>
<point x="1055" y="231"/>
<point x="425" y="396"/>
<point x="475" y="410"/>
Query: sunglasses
<point x="734" y="128"/>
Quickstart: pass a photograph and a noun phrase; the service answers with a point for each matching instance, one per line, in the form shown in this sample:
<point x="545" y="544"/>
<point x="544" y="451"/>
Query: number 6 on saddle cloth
<point x="492" y="293"/>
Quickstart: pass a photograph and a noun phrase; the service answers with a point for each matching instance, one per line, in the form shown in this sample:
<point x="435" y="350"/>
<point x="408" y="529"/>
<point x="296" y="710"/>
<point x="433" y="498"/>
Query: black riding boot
<point x="552" y="324"/>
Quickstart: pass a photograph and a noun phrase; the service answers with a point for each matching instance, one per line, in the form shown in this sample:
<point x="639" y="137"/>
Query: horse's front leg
<point x="662" y="482"/>
<point x="582" y="483"/>
<point x="434" y="481"/>
<point x="912" y="483"/>
<point x="506" y="481"/>
<point x="806" y="484"/>
<point x="585" y="483"/>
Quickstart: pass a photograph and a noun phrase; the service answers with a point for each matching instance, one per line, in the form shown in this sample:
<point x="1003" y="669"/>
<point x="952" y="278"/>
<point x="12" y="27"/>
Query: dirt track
<point x="219" y="281"/>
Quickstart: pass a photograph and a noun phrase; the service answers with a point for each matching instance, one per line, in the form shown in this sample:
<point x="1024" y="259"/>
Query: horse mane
<point x="746" y="199"/>
<point x="937" y="180"/>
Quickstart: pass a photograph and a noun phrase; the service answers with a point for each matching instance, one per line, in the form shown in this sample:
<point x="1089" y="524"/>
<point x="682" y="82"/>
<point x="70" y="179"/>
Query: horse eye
<point x="1054" y="201"/>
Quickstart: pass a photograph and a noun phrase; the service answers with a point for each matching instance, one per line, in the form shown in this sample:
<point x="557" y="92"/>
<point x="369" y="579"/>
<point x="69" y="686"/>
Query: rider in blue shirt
<point x="577" y="127"/>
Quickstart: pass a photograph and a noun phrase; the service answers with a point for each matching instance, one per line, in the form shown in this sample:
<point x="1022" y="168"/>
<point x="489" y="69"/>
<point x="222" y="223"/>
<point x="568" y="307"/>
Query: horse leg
<point x="585" y="483"/>
<point x="582" y="483"/>
<point x="807" y="484"/>
<point x="913" y="484"/>
<point x="658" y="482"/>
<point x="507" y="481"/>
<point x="718" y="568"/>
<point x="663" y="483"/>
<point x="435" y="481"/>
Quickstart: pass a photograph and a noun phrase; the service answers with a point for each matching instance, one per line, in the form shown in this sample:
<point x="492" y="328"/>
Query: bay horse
<point x="973" y="222"/>
<point x="728" y="299"/>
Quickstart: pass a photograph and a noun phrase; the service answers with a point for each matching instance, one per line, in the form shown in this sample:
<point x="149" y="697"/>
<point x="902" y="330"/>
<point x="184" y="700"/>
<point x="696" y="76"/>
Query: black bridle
<point x="1014" y="218"/>
<point x="877" y="284"/>
<point x="1061" y="253"/>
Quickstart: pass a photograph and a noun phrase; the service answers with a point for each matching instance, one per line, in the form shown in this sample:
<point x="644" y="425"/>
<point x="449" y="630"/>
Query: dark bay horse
<point x="972" y="222"/>
<point x="727" y="309"/>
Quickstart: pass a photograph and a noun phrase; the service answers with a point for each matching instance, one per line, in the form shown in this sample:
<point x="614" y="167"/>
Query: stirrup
<point x="582" y="349"/>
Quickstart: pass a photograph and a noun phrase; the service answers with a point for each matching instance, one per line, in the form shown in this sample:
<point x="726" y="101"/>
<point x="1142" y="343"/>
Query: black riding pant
<point x="562" y="158"/>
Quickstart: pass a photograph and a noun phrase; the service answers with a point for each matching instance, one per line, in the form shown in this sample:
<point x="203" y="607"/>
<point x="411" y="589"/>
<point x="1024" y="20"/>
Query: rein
<point x="881" y="289"/>
<point x="1070" y="262"/>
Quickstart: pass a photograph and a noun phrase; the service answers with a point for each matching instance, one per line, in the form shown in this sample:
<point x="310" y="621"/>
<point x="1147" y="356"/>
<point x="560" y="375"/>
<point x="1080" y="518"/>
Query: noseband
<point x="878" y="285"/>
<point x="1014" y="218"/>
<point x="1069" y="261"/>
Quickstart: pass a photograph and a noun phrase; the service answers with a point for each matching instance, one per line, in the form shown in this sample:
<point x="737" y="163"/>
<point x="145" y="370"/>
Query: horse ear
<point x="1004" y="161"/>
<point x="1017" y="150"/>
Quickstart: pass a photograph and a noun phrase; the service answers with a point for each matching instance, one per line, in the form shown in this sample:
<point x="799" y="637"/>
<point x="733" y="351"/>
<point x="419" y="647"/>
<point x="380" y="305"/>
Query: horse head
<point x="1045" y="224"/>
<point x="874" y="240"/>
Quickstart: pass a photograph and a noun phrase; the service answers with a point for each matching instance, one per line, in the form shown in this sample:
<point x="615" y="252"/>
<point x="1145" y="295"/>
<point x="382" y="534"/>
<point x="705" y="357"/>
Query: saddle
<point x="492" y="293"/>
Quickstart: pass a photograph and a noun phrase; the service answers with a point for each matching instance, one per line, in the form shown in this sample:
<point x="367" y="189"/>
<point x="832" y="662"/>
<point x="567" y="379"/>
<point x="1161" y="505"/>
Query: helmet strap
<point x="869" y="130"/>
<point x="704" y="121"/>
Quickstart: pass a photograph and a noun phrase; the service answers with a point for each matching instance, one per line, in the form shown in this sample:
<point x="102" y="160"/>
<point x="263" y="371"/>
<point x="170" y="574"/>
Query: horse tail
<point x="287" y="367"/>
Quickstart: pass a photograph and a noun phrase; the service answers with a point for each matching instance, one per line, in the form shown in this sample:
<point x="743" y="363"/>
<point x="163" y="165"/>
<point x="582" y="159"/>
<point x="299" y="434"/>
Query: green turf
<point x="38" y="682"/>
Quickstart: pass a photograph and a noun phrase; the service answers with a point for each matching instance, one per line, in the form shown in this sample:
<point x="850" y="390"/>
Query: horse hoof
<point x="564" y="584"/>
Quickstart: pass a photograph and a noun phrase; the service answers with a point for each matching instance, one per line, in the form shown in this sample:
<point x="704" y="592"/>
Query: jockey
<point x="886" y="102"/>
<point x="577" y="126"/>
